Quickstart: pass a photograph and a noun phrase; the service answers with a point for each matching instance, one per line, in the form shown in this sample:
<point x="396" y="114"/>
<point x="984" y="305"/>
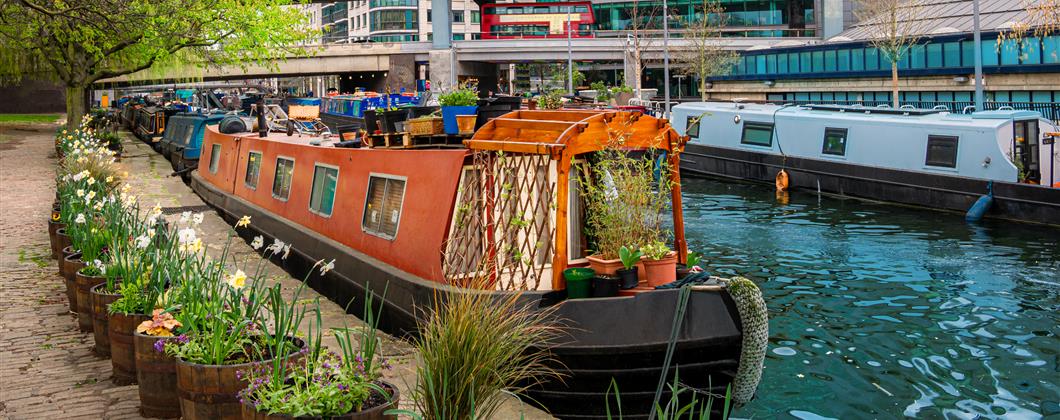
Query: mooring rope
<point x="752" y="307"/>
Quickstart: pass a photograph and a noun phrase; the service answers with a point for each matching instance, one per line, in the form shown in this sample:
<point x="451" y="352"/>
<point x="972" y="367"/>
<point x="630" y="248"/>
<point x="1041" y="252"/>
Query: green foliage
<point x="629" y="258"/>
<point x="693" y="259"/>
<point x="551" y="100"/>
<point x="28" y="118"/>
<point x="685" y="403"/>
<point x="606" y="93"/>
<point x="462" y="96"/>
<point x="474" y="348"/>
<point x="656" y="250"/>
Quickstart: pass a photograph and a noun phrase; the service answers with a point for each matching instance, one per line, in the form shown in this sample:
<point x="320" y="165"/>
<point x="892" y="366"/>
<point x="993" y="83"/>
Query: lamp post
<point x="978" y="41"/>
<point x="570" y="59"/>
<point x="666" y="58"/>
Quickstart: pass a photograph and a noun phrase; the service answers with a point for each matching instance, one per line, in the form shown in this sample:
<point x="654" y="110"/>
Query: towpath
<point x="47" y="368"/>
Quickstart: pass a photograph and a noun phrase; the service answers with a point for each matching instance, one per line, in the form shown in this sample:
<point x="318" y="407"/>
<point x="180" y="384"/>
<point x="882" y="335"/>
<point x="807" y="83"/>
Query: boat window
<point x="692" y="127"/>
<point x="322" y="198"/>
<point x="757" y="133"/>
<point x="215" y="156"/>
<point x="253" y="170"/>
<point x="942" y="151"/>
<point x="382" y="208"/>
<point x="188" y="130"/>
<point x="835" y="141"/>
<point x="281" y="183"/>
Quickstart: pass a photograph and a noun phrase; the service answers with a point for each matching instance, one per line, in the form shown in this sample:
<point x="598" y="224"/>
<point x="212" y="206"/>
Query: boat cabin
<point x="507" y="201"/>
<point x="1000" y="145"/>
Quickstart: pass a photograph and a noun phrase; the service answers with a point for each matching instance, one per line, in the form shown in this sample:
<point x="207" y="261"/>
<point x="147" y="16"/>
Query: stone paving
<point x="47" y="368"/>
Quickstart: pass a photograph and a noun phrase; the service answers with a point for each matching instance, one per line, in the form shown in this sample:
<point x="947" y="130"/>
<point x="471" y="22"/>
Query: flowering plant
<point x="161" y="324"/>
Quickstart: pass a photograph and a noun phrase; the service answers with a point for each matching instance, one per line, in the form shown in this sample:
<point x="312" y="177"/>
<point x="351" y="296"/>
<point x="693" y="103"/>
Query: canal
<point x="880" y="311"/>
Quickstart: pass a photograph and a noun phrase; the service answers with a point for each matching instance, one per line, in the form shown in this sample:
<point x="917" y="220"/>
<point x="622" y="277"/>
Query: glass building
<point x="756" y="18"/>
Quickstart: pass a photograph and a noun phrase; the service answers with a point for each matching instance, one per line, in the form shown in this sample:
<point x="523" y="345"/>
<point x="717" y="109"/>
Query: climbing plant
<point x="79" y="43"/>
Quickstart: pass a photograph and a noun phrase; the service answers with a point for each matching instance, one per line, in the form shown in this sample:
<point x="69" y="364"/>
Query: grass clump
<point x="28" y="118"/>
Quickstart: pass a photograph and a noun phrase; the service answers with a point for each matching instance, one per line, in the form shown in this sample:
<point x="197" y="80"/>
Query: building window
<point x="757" y="134"/>
<point x="692" y="127"/>
<point x="382" y="207"/>
<point x="322" y="198"/>
<point x="835" y="141"/>
<point x="476" y="16"/>
<point x="458" y="16"/>
<point x="253" y="170"/>
<point x="215" y="157"/>
<point x="281" y="183"/>
<point x="942" y="151"/>
<point x="428" y="15"/>
<point x="458" y="37"/>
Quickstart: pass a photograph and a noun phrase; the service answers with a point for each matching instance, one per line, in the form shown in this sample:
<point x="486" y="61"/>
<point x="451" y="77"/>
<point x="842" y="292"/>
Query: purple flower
<point x="183" y="339"/>
<point x="160" y="346"/>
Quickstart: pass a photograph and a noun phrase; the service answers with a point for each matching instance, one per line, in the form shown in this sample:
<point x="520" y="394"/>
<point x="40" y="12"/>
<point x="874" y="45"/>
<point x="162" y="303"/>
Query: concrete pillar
<point x="441" y="25"/>
<point x="402" y="73"/>
<point x="443" y="69"/>
<point x="628" y="68"/>
<point x="832" y="12"/>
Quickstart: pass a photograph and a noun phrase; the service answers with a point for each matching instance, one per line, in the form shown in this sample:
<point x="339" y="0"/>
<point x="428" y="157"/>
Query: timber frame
<point x="565" y="134"/>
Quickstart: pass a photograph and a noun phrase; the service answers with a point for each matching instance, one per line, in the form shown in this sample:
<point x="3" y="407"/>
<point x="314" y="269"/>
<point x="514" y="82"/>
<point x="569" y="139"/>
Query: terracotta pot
<point x="660" y="272"/>
<point x="120" y="328"/>
<point x="156" y="375"/>
<point x="466" y="123"/>
<point x="71" y="264"/>
<point x="84" y="285"/>
<point x="374" y="413"/>
<point x="53" y="237"/>
<point x="604" y="267"/>
<point x="210" y="391"/>
<point x="100" y="331"/>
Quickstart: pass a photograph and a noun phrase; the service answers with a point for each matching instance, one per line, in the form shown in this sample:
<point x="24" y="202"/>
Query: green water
<point x="881" y="311"/>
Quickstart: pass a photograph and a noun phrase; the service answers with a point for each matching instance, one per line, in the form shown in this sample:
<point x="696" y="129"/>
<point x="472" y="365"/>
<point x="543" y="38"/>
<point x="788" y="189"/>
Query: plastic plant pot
<point x="605" y="286"/>
<point x="629" y="278"/>
<point x="579" y="282"/>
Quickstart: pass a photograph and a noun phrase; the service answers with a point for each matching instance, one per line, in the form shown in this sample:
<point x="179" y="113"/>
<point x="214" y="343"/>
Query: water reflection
<point x="883" y="311"/>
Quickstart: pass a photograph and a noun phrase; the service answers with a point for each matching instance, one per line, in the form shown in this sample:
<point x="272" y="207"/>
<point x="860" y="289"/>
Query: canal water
<point x="882" y="311"/>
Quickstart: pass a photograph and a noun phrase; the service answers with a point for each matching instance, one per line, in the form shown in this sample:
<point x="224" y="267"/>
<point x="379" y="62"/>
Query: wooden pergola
<point x="565" y="134"/>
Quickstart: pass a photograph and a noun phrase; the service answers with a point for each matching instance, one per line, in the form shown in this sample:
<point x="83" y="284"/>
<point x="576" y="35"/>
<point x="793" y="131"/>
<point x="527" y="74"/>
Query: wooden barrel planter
<point x="64" y="241"/>
<point x="71" y="264"/>
<point x="210" y="391"/>
<point x="156" y="374"/>
<point x="53" y="237"/>
<point x="99" y="299"/>
<point x="84" y="286"/>
<point x="120" y="328"/>
<point x="373" y="413"/>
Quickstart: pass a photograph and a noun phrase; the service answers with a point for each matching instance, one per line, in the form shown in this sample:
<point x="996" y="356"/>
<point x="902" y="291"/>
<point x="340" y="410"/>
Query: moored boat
<point x="929" y="158"/>
<point x="181" y="144"/>
<point x="398" y="220"/>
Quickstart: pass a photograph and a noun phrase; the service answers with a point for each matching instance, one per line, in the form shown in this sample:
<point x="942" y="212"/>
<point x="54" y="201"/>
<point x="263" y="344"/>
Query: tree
<point x="81" y="42"/>
<point x="704" y="56"/>
<point x="1043" y="19"/>
<point x="640" y="19"/>
<point x="893" y="26"/>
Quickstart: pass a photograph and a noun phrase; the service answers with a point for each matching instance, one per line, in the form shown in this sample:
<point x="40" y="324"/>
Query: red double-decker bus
<point x="537" y="20"/>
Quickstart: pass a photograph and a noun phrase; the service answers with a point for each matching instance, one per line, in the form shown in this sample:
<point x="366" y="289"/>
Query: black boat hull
<point x="1021" y="202"/>
<point x="622" y="338"/>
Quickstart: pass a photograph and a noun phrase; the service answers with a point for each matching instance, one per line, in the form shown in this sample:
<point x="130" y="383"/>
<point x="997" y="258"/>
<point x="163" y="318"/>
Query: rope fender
<point x="752" y="307"/>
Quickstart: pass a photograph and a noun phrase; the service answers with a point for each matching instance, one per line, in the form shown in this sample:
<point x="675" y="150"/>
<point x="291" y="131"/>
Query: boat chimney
<point x="263" y="128"/>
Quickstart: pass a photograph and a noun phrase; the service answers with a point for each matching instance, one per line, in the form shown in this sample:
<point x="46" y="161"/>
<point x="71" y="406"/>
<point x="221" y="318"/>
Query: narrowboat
<point x="920" y="157"/>
<point x="418" y="222"/>
<point x="182" y="141"/>
<point x="349" y="110"/>
<point x="150" y="122"/>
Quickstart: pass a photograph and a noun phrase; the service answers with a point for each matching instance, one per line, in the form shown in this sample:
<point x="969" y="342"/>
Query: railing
<point x="1049" y="110"/>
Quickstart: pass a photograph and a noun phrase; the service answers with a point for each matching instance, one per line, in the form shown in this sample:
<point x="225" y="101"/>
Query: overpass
<point x="464" y="58"/>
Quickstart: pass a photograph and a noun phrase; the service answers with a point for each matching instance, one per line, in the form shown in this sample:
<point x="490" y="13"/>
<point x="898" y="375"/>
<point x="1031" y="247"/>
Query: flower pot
<point x="628" y="278"/>
<point x="53" y="237"/>
<point x="660" y="272"/>
<point x="64" y="241"/>
<point x="120" y="328"/>
<point x="100" y="299"/>
<point x="71" y="265"/>
<point x="531" y="104"/>
<point x="449" y="114"/>
<point x="605" y="267"/>
<point x="388" y="119"/>
<point x="371" y="413"/>
<point x="156" y="374"/>
<point x="605" y="286"/>
<point x="683" y="271"/>
<point x="466" y="123"/>
<point x="84" y="285"/>
<point x="210" y="391"/>
<point x="579" y="282"/>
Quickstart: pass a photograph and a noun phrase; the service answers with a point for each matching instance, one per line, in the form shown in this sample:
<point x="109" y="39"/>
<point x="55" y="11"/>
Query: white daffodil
<point x="286" y="251"/>
<point x="99" y="205"/>
<point x="276" y="247"/>
<point x="186" y="236"/>
<point x="237" y="280"/>
<point x="258" y="242"/>
<point x="185" y="217"/>
<point x="90" y="195"/>
<point x="327" y="267"/>
<point x="79" y="219"/>
<point x="91" y="181"/>
<point x="80" y="193"/>
<point x="143" y="241"/>
<point x="197" y="219"/>
<point x="109" y="179"/>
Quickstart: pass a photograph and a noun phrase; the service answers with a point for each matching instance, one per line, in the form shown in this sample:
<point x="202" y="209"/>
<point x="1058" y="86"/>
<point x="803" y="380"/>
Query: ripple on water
<point x="785" y="351"/>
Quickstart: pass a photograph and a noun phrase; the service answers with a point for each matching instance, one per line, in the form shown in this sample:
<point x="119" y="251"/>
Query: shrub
<point x="463" y="96"/>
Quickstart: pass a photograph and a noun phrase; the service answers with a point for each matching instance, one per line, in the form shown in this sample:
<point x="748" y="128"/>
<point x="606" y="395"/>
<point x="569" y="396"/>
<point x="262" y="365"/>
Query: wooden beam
<point x="543" y="125"/>
<point x="515" y="146"/>
<point x="559" y="258"/>
<point x="680" y="245"/>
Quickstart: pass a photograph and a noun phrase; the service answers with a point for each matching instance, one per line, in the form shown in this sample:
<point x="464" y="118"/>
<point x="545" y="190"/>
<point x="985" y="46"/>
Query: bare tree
<point x="1043" y="19"/>
<point x="640" y="22"/>
<point x="705" y="55"/>
<point x="893" y="26"/>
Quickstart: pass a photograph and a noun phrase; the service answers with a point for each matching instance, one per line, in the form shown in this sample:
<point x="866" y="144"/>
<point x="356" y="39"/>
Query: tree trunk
<point x="703" y="88"/>
<point x="76" y="106"/>
<point x="894" y="83"/>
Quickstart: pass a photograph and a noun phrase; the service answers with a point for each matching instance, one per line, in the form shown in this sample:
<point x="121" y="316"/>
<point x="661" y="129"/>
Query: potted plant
<point x="606" y="286"/>
<point x="579" y="285"/>
<point x="628" y="274"/>
<point x="660" y="264"/>
<point x="156" y="372"/>
<point x="551" y="100"/>
<point x="690" y="266"/>
<point x="461" y="101"/>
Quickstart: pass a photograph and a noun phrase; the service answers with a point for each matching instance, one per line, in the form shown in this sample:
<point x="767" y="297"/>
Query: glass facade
<point x="394" y="38"/>
<point x="935" y="56"/>
<point x="392" y="3"/>
<point x="757" y="18"/>
<point x="393" y="20"/>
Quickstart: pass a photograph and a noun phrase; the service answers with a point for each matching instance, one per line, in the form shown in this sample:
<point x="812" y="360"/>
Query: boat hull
<point x="622" y="338"/>
<point x="1021" y="202"/>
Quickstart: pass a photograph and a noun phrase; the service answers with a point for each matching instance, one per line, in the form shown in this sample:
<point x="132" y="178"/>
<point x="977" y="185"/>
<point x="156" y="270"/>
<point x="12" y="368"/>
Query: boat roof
<point x="572" y="132"/>
<point x="983" y="119"/>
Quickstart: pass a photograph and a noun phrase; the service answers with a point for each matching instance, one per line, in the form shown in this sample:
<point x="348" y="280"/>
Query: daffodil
<point x="237" y="280"/>
<point x="327" y="267"/>
<point x="243" y="221"/>
<point x="258" y="242"/>
<point x="197" y="219"/>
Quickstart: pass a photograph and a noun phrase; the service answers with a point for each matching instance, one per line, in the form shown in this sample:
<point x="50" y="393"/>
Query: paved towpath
<point x="47" y="368"/>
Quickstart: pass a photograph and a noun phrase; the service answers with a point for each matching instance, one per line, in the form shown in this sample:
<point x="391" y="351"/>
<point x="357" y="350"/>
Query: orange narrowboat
<point x="397" y="218"/>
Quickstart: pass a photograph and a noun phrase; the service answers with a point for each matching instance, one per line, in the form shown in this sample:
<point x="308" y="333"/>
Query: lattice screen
<point x="504" y="226"/>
